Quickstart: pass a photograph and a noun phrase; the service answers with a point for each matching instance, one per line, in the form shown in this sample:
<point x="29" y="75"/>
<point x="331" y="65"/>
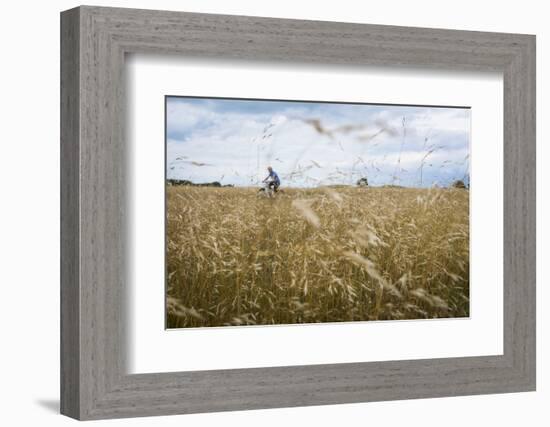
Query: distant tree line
<point x="363" y="182"/>
<point x="194" y="184"/>
<point x="459" y="184"/>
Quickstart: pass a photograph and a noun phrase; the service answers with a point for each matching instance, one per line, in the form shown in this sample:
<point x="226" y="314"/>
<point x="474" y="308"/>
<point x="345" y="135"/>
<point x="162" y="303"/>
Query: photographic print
<point x="286" y="212"/>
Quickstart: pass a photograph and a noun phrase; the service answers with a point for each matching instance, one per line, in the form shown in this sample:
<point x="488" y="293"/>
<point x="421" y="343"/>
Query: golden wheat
<point x="315" y="255"/>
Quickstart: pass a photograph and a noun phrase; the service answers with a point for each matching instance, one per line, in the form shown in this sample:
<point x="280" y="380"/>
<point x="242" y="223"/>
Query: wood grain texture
<point x="70" y="297"/>
<point x="94" y="381"/>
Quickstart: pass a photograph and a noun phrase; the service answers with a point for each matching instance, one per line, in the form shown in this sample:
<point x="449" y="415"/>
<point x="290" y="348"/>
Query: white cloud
<point x="310" y="144"/>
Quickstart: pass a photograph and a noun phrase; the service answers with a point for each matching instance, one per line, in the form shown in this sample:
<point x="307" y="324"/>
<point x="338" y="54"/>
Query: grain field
<point x="328" y="254"/>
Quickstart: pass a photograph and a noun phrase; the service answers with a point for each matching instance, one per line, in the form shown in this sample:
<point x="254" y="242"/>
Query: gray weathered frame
<point x="94" y="42"/>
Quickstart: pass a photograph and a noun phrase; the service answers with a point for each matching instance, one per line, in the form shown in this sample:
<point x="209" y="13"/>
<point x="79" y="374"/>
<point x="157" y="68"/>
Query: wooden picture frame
<point x="94" y="382"/>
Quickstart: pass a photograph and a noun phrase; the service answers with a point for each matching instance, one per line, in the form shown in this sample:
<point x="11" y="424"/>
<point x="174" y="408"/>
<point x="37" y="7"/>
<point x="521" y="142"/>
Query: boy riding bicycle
<point x="272" y="179"/>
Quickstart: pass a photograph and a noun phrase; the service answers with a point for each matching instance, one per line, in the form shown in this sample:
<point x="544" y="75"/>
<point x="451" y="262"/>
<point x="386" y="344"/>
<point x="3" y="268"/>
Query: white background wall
<point x="29" y="212"/>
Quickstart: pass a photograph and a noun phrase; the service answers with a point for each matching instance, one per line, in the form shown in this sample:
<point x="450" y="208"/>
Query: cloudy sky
<point x="309" y="143"/>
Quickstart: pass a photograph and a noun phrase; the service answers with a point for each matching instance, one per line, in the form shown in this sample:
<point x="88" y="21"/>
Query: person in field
<point x="272" y="179"/>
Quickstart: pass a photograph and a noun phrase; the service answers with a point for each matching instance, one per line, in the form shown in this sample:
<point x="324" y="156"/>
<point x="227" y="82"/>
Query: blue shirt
<point x="273" y="175"/>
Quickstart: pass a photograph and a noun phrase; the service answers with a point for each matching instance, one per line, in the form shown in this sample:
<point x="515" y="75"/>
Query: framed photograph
<point x="261" y="213"/>
<point x="295" y="212"/>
